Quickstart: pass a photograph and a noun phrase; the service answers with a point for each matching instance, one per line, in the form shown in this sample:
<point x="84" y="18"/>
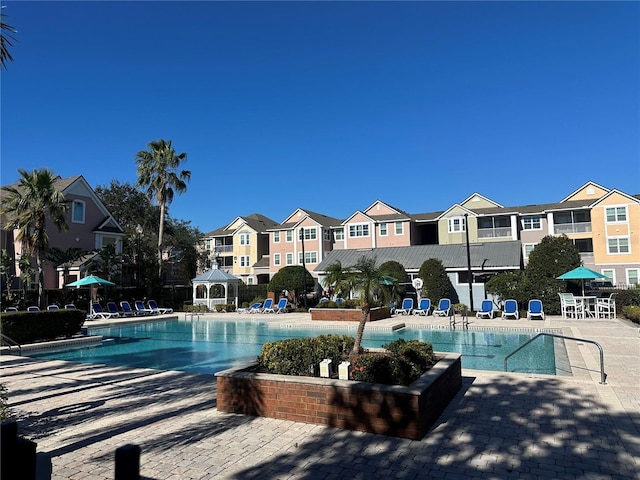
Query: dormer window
<point x="77" y="211"/>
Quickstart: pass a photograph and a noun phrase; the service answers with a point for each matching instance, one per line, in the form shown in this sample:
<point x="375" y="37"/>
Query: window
<point x="531" y="223"/>
<point x="456" y="224"/>
<point x="618" y="245"/>
<point x="584" y="245"/>
<point x="250" y="281"/>
<point x="244" y="260"/>
<point x="309" y="257"/>
<point x="326" y="233"/>
<point x="244" y="239"/>
<point x="528" y="247"/>
<point x="338" y="234"/>
<point x="276" y="237"/>
<point x="361" y="230"/>
<point x="616" y="214"/>
<point x="289" y="236"/>
<point x="399" y="228"/>
<point x="310" y="233"/>
<point x="633" y="276"/>
<point x="207" y="245"/>
<point x="610" y="274"/>
<point x="276" y="259"/>
<point x="289" y="258"/>
<point x="383" y="229"/>
<point x="77" y="211"/>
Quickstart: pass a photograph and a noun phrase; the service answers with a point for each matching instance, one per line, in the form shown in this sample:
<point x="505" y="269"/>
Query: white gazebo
<point x="215" y="287"/>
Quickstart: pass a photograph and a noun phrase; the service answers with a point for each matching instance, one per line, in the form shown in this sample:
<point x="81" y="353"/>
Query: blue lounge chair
<point x="407" y="307"/>
<point x="112" y="308"/>
<point x="248" y="309"/>
<point x="53" y="307"/>
<point x="69" y="306"/>
<point x="141" y="309"/>
<point x="33" y="308"/>
<point x="423" y="307"/>
<point x="535" y="310"/>
<point x="444" y="308"/>
<point x="510" y="310"/>
<point x="98" y="312"/>
<point x="268" y="306"/>
<point x="156" y="309"/>
<point x="486" y="310"/>
<point x="11" y="309"/>
<point x="282" y="306"/>
<point x="256" y="308"/>
<point x="126" y="309"/>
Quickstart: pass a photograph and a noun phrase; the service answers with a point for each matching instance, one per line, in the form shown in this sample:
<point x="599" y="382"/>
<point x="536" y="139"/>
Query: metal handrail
<point x="603" y="376"/>
<point x="12" y="343"/>
<point x="464" y="318"/>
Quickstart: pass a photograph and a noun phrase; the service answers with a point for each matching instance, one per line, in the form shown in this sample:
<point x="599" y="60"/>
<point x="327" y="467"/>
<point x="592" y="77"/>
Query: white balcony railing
<point x="584" y="227"/>
<point x="223" y="248"/>
<point x="499" y="232"/>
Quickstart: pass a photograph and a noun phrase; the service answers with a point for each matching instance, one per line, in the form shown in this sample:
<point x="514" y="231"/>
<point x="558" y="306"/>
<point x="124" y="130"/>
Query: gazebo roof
<point x="215" y="275"/>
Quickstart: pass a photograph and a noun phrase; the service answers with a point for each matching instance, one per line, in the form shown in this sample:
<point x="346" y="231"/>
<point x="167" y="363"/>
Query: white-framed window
<point x="618" y="245"/>
<point x="531" y="223"/>
<point x="276" y="259"/>
<point x="399" y="228"/>
<point x="610" y="274"/>
<point x="633" y="276"/>
<point x="616" y="214"/>
<point x="456" y="224"/>
<point x="250" y="281"/>
<point x="383" y="230"/>
<point x="310" y="233"/>
<point x="77" y="211"/>
<point x="338" y="234"/>
<point x="326" y="234"/>
<point x="276" y="237"/>
<point x="289" y="236"/>
<point x="527" y="249"/>
<point x="309" y="257"/>
<point x="289" y="258"/>
<point x="244" y="238"/>
<point x="207" y="245"/>
<point x="359" y="230"/>
<point x="244" y="260"/>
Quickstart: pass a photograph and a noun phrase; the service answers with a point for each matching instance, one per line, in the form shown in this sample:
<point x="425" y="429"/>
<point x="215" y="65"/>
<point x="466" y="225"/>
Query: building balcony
<point x="567" y="228"/>
<point x="500" y="232"/>
<point x="223" y="248"/>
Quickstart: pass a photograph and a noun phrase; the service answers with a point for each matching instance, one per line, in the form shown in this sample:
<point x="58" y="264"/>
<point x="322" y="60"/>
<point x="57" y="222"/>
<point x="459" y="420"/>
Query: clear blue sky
<point x="329" y="106"/>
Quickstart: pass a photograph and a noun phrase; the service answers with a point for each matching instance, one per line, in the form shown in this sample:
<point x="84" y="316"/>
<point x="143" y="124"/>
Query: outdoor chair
<point x="423" y="307"/>
<point x="406" y="308"/>
<point x="126" y="309"/>
<point x="606" y="306"/>
<point x="112" y="308"/>
<point x="444" y="308"/>
<point x="282" y="306"/>
<point x="69" y="306"/>
<point x="268" y="306"/>
<point x="486" y="310"/>
<point x="569" y="305"/>
<point x="535" y="310"/>
<point x="98" y="312"/>
<point x="53" y="307"/>
<point x="138" y="305"/>
<point x="33" y="308"/>
<point x="248" y="309"/>
<point x="11" y="309"/>
<point x="156" y="309"/>
<point x="510" y="310"/>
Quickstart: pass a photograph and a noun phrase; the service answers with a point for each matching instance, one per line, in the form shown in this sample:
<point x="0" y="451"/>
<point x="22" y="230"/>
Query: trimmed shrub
<point x="632" y="312"/>
<point x="28" y="327"/>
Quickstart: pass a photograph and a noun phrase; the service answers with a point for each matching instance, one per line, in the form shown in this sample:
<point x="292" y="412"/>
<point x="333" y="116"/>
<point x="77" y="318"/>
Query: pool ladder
<point x="603" y="376"/>
<point x="11" y="343"/>
<point x="464" y="319"/>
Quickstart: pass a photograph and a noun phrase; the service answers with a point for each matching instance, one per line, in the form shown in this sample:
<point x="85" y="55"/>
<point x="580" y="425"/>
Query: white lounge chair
<point x="535" y="310"/>
<point x="407" y="307"/>
<point x="423" y="307"/>
<point x="510" y="310"/>
<point x="444" y="308"/>
<point x="486" y="310"/>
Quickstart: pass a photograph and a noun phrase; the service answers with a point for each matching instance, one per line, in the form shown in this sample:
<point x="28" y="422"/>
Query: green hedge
<point x="29" y="327"/>
<point x="632" y="312"/>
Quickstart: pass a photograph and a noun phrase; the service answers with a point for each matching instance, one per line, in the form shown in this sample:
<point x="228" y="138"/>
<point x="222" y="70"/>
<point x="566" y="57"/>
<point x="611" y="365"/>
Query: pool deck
<point x="500" y="425"/>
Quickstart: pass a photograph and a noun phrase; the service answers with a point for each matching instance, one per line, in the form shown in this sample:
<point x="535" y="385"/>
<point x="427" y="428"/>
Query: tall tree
<point x="6" y="40"/>
<point x="159" y="175"/>
<point x="28" y="205"/>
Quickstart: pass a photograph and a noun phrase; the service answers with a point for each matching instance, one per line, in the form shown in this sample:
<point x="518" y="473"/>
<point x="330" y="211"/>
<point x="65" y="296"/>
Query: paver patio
<point x="500" y="425"/>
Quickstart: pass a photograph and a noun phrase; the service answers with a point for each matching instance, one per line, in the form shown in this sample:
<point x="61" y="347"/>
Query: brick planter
<point x="348" y="314"/>
<point x="392" y="410"/>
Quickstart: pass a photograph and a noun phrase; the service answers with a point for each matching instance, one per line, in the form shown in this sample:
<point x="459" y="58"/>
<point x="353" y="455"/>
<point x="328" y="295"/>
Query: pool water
<point x="209" y="346"/>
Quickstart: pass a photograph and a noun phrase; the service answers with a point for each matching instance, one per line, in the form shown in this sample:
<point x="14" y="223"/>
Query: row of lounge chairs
<point x="138" y="309"/>
<point x="445" y="309"/>
<point x="35" y="308"/>
<point x="267" y="307"/>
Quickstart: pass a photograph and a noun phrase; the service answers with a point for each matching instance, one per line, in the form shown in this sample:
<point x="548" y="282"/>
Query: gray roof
<point x="215" y="275"/>
<point x="486" y="256"/>
<point x="260" y="223"/>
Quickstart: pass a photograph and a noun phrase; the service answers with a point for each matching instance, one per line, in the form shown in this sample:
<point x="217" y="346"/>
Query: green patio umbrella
<point x="90" y="281"/>
<point x="581" y="273"/>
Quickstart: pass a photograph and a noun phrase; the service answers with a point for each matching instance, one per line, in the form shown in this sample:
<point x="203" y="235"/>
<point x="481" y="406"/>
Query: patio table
<point x="589" y="304"/>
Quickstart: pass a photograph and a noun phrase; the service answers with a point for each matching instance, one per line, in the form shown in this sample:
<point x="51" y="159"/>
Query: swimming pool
<point x="208" y="346"/>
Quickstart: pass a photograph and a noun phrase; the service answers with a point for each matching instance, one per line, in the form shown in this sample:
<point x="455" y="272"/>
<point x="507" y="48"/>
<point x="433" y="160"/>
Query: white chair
<point x="606" y="306"/>
<point x="569" y="305"/>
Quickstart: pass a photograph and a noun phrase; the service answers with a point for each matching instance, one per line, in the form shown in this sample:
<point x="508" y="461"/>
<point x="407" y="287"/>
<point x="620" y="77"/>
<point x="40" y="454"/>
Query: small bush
<point x="5" y="411"/>
<point x="300" y="356"/>
<point x="27" y="327"/>
<point x="229" y="307"/>
<point x="632" y="312"/>
<point x="329" y="304"/>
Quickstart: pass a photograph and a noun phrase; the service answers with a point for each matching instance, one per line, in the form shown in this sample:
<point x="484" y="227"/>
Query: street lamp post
<point x="139" y="231"/>
<point x="304" y="270"/>
<point x="466" y="230"/>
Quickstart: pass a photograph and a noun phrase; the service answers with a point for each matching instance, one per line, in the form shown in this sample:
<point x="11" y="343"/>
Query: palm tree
<point x="28" y="205"/>
<point x="5" y="41"/>
<point x="158" y="174"/>
<point x="371" y="284"/>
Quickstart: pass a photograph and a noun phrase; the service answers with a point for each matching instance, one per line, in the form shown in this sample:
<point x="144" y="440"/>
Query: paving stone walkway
<point x="499" y="426"/>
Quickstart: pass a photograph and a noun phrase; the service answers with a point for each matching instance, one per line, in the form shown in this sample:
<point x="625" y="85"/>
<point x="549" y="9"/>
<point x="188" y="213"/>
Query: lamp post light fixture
<point x="304" y="270"/>
<point x="470" y="275"/>
<point x="139" y="232"/>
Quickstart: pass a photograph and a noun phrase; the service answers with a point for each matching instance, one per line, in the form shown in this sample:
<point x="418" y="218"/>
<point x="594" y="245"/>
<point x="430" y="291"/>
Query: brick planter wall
<point x="392" y="410"/>
<point x="348" y="314"/>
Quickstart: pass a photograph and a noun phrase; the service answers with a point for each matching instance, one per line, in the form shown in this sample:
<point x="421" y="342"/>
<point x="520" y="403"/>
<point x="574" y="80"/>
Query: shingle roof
<point x="215" y="275"/>
<point x="487" y="256"/>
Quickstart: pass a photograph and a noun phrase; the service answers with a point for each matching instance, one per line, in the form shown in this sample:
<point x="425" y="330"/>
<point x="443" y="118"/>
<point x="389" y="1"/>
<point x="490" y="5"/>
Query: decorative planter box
<point x="392" y="410"/>
<point x="348" y="314"/>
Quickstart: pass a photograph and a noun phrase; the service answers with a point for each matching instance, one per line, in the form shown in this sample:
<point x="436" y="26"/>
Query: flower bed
<point x="392" y="410"/>
<point x="348" y="314"/>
